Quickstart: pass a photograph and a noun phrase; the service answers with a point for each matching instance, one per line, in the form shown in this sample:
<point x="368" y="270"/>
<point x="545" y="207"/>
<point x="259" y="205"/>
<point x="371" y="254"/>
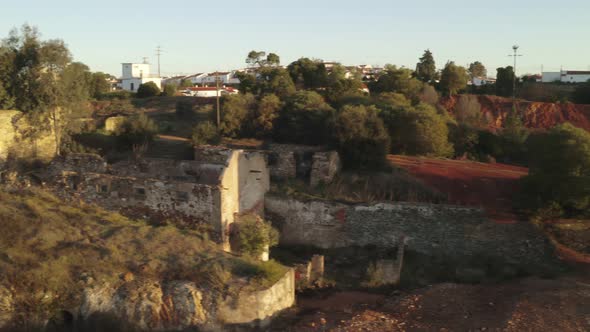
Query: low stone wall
<point x="260" y="306"/>
<point x="452" y="231"/>
<point x="324" y="167"/>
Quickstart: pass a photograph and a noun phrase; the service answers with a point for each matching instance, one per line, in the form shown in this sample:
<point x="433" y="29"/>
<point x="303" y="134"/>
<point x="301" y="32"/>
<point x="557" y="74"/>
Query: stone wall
<point x="20" y="140"/>
<point x="259" y="306"/>
<point x="452" y="231"/>
<point x="324" y="167"/>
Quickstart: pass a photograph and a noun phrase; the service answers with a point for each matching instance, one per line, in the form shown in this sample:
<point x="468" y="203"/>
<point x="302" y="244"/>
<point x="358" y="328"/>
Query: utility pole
<point x="515" y="49"/>
<point x="158" y="53"/>
<point x="217" y="82"/>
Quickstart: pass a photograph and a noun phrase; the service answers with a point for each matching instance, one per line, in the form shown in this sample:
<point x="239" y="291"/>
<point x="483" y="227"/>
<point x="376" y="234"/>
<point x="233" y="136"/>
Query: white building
<point x="136" y="74"/>
<point x="479" y="81"/>
<point x="209" y="92"/>
<point x="566" y="76"/>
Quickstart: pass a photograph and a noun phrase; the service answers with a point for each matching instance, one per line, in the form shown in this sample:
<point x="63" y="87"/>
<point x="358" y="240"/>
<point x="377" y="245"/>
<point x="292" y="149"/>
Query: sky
<point x="203" y="36"/>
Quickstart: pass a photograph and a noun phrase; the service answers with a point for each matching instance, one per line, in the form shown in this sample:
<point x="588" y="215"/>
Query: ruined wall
<point x="198" y="202"/>
<point x="325" y="166"/>
<point x="169" y="170"/>
<point x="20" y="140"/>
<point x="259" y="306"/>
<point x="230" y="199"/>
<point x="453" y="231"/>
<point x="254" y="182"/>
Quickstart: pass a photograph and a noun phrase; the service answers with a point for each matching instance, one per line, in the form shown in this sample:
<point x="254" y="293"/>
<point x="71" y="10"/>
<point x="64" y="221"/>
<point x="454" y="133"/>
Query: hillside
<point x="536" y="115"/>
<point x="52" y="253"/>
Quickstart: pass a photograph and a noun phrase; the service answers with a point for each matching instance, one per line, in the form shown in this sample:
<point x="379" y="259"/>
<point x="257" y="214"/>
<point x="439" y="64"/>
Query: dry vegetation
<point x="50" y="249"/>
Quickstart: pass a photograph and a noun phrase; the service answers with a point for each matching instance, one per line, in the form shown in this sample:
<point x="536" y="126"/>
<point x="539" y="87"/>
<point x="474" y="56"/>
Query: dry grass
<point x="48" y="248"/>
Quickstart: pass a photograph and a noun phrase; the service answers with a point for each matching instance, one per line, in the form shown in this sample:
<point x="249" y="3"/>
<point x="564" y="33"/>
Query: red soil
<point x="536" y="115"/>
<point x="490" y="186"/>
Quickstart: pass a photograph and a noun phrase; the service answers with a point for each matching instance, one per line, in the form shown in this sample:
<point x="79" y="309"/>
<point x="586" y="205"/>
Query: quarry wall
<point x="452" y="231"/>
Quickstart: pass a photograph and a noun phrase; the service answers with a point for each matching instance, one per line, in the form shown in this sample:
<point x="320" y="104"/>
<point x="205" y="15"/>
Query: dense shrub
<point x="121" y="94"/>
<point x="305" y="119"/>
<point x="559" y="171"/>
<point x="149" y="89"/>
<point x="254" y="235"/>
<point x="206" y="133"/>
<point x="264" y="116"/>
<point x="137" y="130"/>
<point x="581" y="94"/>
<point x="468" y="111"/>
<point x="417" y="130"/>
<point x="361" y="137"/>
<point x="169" y="90"/>
<point x="235" y="112"/>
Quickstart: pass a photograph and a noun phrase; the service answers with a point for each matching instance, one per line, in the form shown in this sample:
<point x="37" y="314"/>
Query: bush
<point x="149" y="89"/>
<point x="305" y="119"/>
<point x="418" y="130"/>
<point x="265" y="115"/>
<point x="361" y="137"/>
<point x="581" y="94"/>
<point x="468" y="111"/>
<point x="119" y="95"/>
<point x="184" y="109"/>
<point x="236" y="109"/>
<point x="559" y="172"/>
<point x="206" y="133"/>
<point x="254" y="235"/>
<point x="136" y="131"/>
<point x="169" y="90"/>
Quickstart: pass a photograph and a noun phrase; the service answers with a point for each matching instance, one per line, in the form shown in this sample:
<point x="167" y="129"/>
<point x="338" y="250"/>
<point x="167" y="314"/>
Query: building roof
<point x="576" y="72"/>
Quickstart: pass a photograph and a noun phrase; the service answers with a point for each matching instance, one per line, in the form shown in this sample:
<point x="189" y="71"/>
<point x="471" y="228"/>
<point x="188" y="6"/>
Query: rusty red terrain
<point x="489" y="186"/>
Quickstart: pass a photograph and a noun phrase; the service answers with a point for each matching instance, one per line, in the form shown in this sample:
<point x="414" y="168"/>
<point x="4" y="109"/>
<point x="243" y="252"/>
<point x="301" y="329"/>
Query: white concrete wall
<point x="132" y="84"/>
<point x="135" y="70"/>
<point x="568" y="78"/>
<point x="549" y="77"/>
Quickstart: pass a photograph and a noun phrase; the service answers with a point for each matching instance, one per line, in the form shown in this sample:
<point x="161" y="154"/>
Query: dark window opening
<point x="140" y="193"/>
<point x="182" y="196"/>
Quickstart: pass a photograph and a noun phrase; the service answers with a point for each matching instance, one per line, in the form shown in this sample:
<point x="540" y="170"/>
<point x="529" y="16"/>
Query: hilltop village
<point x="308" y="197"/>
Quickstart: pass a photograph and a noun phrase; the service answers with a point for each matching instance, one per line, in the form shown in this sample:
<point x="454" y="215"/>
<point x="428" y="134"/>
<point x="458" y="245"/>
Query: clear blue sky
<point x="216" y="35"/>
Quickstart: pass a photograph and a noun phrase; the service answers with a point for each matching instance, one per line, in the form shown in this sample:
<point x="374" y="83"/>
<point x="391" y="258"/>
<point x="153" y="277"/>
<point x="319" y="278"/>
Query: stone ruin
<point x="215" y="188"/>
<point x="310" y="163"/>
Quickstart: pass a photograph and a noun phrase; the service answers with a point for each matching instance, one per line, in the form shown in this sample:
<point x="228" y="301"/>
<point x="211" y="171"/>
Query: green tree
<point x="261" y="59"/>
<point x="247" y="83"/>
<point x="453" y="79"/>
<point x="275" y="81"/>
<point x="99" y="84"/>
<point x="206" y="133"/>
<point x="186" y="83"/>
<point x="361" y="137"/>
<point x="398" y="80"/>
<point x="504" y="81"/>
<point x="236" y="109"/>
<point x="169" y="90"/>
<point x="581" y="94"/>
<point x="255" y="235"/>
<point x="149" y="89"/>
<point x="477" y="69"/>
<point x="265" y="116"/>
<point x="418" y="130"/>
<point x="308" y="74"/>
<point x="304" y="119"/>
<point x="426" y="68"/>
<point x="137" y="131"/>
<point x="559" y="171"/>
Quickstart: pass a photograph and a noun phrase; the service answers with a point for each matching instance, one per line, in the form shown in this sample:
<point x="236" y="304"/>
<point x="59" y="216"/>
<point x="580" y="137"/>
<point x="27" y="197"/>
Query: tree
<point x="265" y="115"/>
<point x="417" y="130"/>
<point x="169" y="90"/>
<point x="581" y="94"/>
<point x="426" y="68"/>
<point x="255" y="235"/>
<point x="428" y="95"/>
<point x="99" y="84"/>
<point x="304" y="119"/>
<point x="273" y="60"/>
<point x="504" y="81"/>
<point x="247" y="83"/>
<point x="477" y="69"/>
<point x="137" y="131"/>
<point x="361" y="137"/>
<point x="206" y="133"/>
<point x="235" y="111"/>
<point x="559" y="171"/>
<point x="275" y="81"/>
<point x="308" y="74"/>
<point x="398" y="80"/>
<point x="149" y="89"/>
<point x="186" y="83"/>
<point x="260" y="59"/>
<point x="453" y="79"/>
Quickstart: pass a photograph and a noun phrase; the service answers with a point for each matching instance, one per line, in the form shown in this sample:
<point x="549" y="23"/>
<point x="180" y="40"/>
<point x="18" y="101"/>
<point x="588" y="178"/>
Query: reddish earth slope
<point x="490" y="186"/>
<point x="535" y="114"/>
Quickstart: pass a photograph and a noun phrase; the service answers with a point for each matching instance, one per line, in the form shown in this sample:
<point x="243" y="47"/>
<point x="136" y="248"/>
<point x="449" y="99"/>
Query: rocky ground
<point x="524" y="305"/>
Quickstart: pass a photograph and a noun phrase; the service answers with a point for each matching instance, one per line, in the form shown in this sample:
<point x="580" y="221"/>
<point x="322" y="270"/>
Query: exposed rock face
<point x="6" y="306"/>
<point x="147" y="304"/>
<point x="536" y="115"/>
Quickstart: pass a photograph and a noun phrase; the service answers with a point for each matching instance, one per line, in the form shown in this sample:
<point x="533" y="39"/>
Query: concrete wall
<point x="254" y="182"/>
<point x="20" y="140"/>
<point x="259" y="306"/>
<point x="452" y="231"/>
